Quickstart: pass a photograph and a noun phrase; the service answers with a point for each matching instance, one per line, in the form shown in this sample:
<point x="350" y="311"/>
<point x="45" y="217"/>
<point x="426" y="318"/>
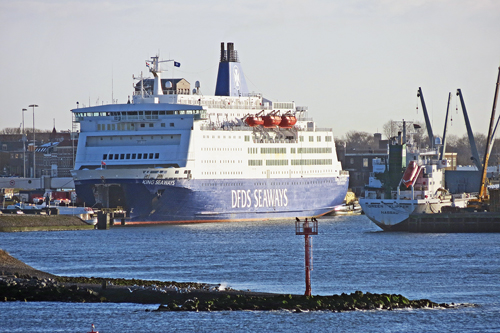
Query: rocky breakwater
<point x="32" y="288"/>
<point x="20" y="282"/>
<point x="335" y="303"/>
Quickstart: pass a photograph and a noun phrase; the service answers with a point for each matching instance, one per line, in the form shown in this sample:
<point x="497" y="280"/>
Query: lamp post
<point x="24" y="147"/>
<point x="34" y="144"/>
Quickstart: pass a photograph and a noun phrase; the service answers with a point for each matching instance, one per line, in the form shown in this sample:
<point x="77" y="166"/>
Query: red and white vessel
<point x="425" y="193"/>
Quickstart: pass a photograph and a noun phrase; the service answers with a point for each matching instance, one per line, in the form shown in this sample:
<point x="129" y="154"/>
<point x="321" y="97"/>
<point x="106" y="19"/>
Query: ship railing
<point x="148" y="94"/>
<point x="224" y="105"/>
<point x="208" y="127"/>
<point x="317" y="129"/>
<point x="218" y="127"/>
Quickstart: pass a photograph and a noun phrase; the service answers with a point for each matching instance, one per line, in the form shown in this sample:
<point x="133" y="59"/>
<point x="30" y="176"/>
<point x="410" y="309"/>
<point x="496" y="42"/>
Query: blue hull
<point x="167" y="201"/>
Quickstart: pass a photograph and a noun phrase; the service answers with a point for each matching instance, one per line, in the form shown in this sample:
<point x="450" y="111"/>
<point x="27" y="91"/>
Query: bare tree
<point x="461" y="146"/>
<point x="11" y="130"/>
<point x="415" y="129"/>
<point x="359" y="140"/>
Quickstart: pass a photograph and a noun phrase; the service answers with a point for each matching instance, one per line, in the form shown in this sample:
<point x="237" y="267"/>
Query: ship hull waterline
<point x="393" y="215"/>
<point x="199" y="201"/>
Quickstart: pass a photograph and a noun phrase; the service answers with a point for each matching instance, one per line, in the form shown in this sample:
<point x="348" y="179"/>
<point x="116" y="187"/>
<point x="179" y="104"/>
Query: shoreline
<point x="20" y="282"/>
<point x="25" y="222"/>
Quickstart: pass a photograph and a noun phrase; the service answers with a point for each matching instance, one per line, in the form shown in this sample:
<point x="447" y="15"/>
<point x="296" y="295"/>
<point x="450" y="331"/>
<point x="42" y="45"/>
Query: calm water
<point x="350" y="254"/>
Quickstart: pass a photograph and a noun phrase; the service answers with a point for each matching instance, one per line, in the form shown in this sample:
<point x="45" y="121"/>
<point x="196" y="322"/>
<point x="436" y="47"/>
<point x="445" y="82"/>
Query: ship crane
<point x="483" y="197"/>
<point x="426" y="116"/>
<point x="472" y="142"/>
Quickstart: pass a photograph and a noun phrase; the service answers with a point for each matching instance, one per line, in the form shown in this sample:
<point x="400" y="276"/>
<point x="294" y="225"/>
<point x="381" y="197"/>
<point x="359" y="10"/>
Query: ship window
<point x="162" y="124"/>
<point x="171" y="124"/>
<point x="133" y="156"/>
<point x="116" y="156"/>
<point x="318" y="138"/>
<point x="176" y="172"/>
<point x="143" y="125"/>
<point x="110" y="156"/>
<point x="105" y="156"/>
<point x="301" y="138"/>
<point x="157" y="155"/>
<point x="128" y="156"/>
<point x="113" y="127"/>
<point x="352" y="160"/>
<point x="109" y="127"/>
<point x="311" y="138"/>
<point x="122" y="156"/>
<point x="139" y="156"/>
<point x="151" y="125"/>
<point x="150" y="156"/>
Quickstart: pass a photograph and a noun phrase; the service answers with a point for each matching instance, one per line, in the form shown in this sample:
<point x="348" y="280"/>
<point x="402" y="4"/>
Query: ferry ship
<point x="172" y="155"/>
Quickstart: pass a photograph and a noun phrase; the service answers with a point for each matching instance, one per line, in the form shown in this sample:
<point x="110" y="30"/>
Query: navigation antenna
<point x="155" y="69"/>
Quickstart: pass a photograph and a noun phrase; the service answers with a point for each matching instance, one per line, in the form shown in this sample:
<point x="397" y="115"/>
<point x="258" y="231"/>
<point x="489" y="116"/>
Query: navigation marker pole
<point x="307" y="228"/>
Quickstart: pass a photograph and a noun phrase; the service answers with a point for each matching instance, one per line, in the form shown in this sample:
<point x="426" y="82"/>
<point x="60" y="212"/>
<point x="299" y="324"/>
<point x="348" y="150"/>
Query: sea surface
<point x="350" y="253"/>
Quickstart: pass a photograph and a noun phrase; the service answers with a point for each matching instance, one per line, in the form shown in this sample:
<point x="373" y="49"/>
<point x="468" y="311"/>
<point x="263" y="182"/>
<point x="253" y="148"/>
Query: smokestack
<point x="232" y="55"/>
<point x="222" y="52"/>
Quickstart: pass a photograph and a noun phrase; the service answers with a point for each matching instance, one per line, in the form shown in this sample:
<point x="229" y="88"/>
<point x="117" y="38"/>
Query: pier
<point x="455" y="222"/>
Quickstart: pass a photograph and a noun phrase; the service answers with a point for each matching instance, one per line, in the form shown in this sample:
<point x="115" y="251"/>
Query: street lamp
<point x="34" y="144"/>
<point x="24" y="147"/>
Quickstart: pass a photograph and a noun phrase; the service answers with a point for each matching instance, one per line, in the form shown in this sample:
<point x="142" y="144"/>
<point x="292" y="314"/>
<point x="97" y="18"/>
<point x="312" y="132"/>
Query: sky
<point x="356" y="64"/>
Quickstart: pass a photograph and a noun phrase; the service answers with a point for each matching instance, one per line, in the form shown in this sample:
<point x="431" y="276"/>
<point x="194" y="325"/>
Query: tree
<point x="359" y="140"/>
<point x="462" y="147"/>
<point x="11" y="130"/>
<point x="414" y="129"/>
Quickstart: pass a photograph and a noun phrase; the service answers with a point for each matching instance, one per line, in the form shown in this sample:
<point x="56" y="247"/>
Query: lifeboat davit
<point x="287" y="121"/>
<point x="254" y="121"/>
<point x="411" y="173"/>
<point x="271" y="120"/>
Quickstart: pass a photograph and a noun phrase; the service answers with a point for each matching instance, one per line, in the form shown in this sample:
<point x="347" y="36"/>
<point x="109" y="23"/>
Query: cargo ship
<point x="175" y="155"/>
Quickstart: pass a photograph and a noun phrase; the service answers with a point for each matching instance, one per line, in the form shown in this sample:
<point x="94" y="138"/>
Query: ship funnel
<point x="230" y="78"/>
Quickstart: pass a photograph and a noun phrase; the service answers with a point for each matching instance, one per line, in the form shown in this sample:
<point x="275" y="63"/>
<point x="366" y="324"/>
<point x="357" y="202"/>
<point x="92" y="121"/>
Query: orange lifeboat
<point x="287" y="121"/>
<point x="411" y="173"/>
<point x="253" y="121"/>
<point x="271" y="120"/>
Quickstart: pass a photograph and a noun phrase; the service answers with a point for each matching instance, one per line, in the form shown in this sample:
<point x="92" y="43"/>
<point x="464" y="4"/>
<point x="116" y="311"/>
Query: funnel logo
<point x="236" y="75"/>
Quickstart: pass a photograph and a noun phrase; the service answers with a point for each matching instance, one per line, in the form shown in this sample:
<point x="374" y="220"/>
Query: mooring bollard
<point x="102" y="221"/>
